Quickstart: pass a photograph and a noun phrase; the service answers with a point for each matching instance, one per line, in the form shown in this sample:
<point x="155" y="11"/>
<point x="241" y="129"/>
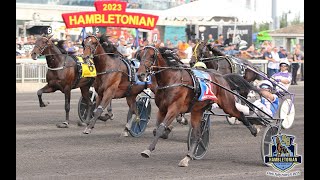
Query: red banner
<point x="110" y="13"/>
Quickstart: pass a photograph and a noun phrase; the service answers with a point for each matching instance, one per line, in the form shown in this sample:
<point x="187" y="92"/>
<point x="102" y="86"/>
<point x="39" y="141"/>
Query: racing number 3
<point x="112" y="7"/>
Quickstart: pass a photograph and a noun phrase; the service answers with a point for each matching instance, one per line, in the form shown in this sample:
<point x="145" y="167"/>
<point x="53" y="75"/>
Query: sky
<point x="295" y="6"/>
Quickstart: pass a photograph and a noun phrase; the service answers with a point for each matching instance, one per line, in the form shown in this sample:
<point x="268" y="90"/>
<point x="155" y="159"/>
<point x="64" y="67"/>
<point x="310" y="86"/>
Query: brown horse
<point x="114" y="78"/>
<point x="216" y="59"/>
<point x="62" y="75"/>
<point x="178" y="91"/>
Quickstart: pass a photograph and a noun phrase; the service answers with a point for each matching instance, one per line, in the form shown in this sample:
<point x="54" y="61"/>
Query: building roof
<point x="294" y="29"/>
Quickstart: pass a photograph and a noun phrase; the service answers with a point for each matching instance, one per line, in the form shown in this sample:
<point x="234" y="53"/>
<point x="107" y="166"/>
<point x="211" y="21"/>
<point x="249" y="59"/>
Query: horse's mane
<point x="108" y="46"/>
<point x="215" y="51"/>
<point x="171" y="57"/>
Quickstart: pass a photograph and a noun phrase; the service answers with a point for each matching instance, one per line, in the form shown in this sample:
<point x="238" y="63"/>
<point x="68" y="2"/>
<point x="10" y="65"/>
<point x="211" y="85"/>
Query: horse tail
<point x="239" y="84"/>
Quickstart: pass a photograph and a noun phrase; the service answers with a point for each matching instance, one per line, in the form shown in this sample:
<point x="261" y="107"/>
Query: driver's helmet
<point x="265" y="84"/>
<point x="284" y="61"/>
<point x="200" y="64"/>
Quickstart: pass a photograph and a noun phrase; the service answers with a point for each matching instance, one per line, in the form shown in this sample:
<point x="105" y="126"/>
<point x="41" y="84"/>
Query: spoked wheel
<point x="288" y="118"/>
<point x="140" y="122"/>
<point x="266" y="140"/>
<point x="203" y="144"/>
<point x="82" y="107"/>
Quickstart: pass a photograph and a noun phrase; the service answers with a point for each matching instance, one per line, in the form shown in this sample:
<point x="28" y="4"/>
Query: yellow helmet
<point x="200" y="64"/>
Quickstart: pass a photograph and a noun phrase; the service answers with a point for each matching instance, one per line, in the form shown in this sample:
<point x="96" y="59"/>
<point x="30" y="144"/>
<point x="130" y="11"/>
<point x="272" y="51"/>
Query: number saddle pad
<point x="87" y="70"/>
<point x="205" y="86"/>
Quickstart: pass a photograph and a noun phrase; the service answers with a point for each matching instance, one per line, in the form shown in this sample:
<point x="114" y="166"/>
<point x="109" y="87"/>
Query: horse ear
<point x="50" y="36"/>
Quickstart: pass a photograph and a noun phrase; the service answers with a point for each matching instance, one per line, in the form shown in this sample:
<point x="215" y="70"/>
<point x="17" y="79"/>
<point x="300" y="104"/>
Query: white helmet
<point x="200" y="64"/>
<point x="265" y="84"/>
<point x="284" y="61"/>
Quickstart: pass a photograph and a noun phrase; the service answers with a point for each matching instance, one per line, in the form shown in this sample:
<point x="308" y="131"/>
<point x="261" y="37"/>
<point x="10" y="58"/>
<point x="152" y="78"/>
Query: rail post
<point x="22" y="72"/>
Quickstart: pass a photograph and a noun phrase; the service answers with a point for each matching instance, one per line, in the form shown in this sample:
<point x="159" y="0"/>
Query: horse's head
<point x="199" y="51"/>
<point x="90" y="45"/>
<point x="40" y="45"/>
<point x="148" y="58"/>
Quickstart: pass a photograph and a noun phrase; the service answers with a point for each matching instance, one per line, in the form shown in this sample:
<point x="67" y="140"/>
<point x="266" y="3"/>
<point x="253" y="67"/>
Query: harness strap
<point x="175" y="85"/>
<point x="196" y="89"/>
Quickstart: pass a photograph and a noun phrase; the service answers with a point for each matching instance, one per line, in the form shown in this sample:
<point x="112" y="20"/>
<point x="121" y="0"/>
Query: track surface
<point x="46" y="152"/>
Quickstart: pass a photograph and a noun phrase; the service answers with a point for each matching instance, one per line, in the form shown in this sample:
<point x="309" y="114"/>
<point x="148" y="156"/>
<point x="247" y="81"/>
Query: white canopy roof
<point x="208" y="10"/>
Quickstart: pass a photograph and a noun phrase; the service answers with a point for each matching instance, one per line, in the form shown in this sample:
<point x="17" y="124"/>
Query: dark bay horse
<point x="216" y="59"/>
<point x="62" y="75"/>
<point x="178" y="92"/>
<point x="113" y="80"/>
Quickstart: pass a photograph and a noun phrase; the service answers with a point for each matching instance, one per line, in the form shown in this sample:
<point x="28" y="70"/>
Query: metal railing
<point x="30" y="71"/>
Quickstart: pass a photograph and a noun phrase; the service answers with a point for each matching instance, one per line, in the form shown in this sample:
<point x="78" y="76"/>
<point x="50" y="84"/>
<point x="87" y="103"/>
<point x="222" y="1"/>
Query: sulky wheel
<point x="202" y="146"/>
<point x="283" y="110"/>
<point x="266" y="140"/>
<point x="140" y="122"/>
<point x="82" y="107"/>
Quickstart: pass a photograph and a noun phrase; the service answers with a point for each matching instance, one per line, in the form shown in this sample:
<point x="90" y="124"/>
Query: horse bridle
<point x="200" y="55"/>
<point x="41" y="49"/>
<point x="91" y="46"/>
<point x="154" y="57"/>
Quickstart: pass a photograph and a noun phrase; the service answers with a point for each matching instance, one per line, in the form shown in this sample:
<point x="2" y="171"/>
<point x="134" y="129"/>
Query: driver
<point x="271" y="106"/>
<point x="200" y="65"/>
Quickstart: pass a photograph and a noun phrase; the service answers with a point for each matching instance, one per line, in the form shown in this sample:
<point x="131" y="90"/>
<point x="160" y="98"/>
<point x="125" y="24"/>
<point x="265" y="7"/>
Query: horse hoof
<point x="146" y="153"/>
<point x="62" y="125"/>
<point x="184" y="162"/>
<point x="125" y="133"/>
<point x="154" y="132"/>
<point x="87" y="131"/>
<point x="182" y="120"/>
<point x="81" y="124"/>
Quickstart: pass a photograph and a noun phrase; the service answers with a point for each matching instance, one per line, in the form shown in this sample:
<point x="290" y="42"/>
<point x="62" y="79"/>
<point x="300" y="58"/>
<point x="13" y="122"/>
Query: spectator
<point x="188" y="51"/>
<point x="273" y="64"/>
<point x="219" y="42"/>
<point x="210" y="39"/>
<point x="297" y="58"/>
<point x="282" y="53"/>
<point x="229" y="40"/>
<point x="232" y="50"/>
<point x="169" y="44"/>
<point x="256" y="54"/>
<point x="122" y="48"/>
<point x="71" y="49"/>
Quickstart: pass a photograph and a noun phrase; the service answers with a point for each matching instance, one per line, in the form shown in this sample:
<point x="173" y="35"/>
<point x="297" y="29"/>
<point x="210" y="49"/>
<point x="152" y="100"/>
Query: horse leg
<point x="85" y="96"/>
<point x="67" y="94"/>
<point x="161" y="130"/>
<point x="45" y="89"/>
<point x="106" y="99"/>
<point x="195" y="137"/>
<point x="131" y="101"/>
<point x="234" y="112"/>
<point x="109" y="114"/>
<point x="181" y="119"/>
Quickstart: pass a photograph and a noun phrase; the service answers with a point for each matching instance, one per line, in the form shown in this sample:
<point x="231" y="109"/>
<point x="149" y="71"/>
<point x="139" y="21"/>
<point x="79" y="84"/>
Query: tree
<point x="260" y="27"/>
<point x="296" y="20"/>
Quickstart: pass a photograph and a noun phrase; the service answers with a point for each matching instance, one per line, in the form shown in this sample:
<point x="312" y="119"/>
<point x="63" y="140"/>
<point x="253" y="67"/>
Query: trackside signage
<point x="110" y="13"/>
